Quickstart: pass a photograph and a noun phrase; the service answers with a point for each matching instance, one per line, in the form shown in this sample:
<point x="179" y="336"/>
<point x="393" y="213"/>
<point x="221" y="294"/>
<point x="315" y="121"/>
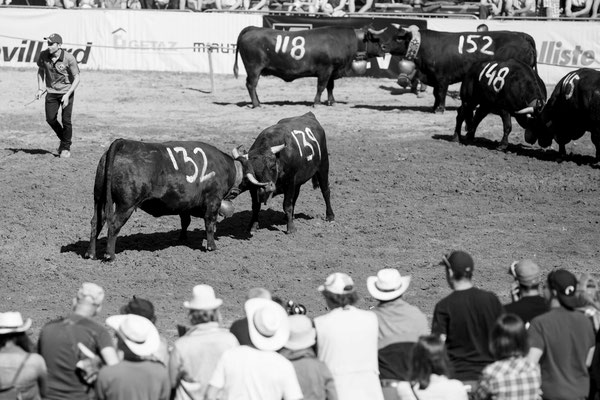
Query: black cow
<point x="444" y="58"/>
<point x="172" y="178"/>
<point x="505" y="88"/>
<point x="572" y="110"/>
<point x="285" y="156"/>
<point x="327" y="53"/>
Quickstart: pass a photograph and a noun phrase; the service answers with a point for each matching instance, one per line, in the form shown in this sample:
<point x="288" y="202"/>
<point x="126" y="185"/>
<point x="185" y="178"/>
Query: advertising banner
<point x="125" y="39"/>
<point x="379" y="67"/>
<point x="562" y="46"/>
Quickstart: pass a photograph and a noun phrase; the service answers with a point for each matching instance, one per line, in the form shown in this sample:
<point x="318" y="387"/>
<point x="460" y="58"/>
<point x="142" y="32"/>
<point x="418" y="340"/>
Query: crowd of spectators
<point x="542" y="345"/>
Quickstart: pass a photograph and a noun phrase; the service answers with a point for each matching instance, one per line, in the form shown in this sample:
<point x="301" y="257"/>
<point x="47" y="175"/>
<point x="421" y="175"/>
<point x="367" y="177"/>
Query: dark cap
<point x="459" y="262"/>
<point x="565" y="284"/>
<point x="54" y="38"/>
<point x="141" y="307"/>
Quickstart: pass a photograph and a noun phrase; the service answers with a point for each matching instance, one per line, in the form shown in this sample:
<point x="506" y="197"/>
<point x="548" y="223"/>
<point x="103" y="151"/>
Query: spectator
<point x="550" y="8"/>
<point x="512" y="376"/>
<point x="429" y="374"/>
<point x="59" y="340"/>
<point x="145" y="308"/>
<point x="113" y="4"/>
<point x="21" y="371"/>
<point x="228" y="4"/>
<point x="578" y="8"/>
<point x="347" y="341"/>
<point x="400" y="325"/>
<point x="309" y="6"/>
<point x="136" y="377"/>
<point x="313" y="375"/>
<point x="334" y="8"/>
<point x="239" y="328"/>
<point x="527" y="300"/>
<point x="562" y="341"/>
<point x="491" y="8"/>
<point x="360" y="6"/>
<point x="258" y="372"/>
<point x="194" y="356"/>
<point x="521" y="8"/>
<point x="595" y="8"/>
<point x="482" y="28"/>
<point x="465" y="318"/>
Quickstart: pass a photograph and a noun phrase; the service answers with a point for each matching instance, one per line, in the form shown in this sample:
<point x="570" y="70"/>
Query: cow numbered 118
<point x="185" y="178"/>
<point x="284" y="157"/>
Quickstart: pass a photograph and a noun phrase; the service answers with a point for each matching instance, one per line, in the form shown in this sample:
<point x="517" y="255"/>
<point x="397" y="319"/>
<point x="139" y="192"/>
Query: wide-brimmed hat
<point x="203" y="299"/>
<point x="268" y="324"/>
<point x="527" y="272"/>
<point x="302" y="333"/>
<point x="338" y="283"/>
<point x="12" y="322"/>
<point x="388" y="284"/>
<point x="139" y="333"/>
<point x="565" y="284"/>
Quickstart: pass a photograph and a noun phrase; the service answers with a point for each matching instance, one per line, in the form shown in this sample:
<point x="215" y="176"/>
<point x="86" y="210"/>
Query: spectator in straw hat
<point x="59" y="340"/>
<point x="145" y="308"/>
<point x="239" y="327"/>
<point x="465" y="318"/>
<point x="136" y="377"/>
<point x="258" y="372"/>
<point x="400" y="325"/>
<point x="347" y="341"/>
<point x="195" y="355"/>
<point x="19" y="368"/>
<point x="527" y="300"/>
<point x="313" y="375"/>
<point x="562" y="341"/>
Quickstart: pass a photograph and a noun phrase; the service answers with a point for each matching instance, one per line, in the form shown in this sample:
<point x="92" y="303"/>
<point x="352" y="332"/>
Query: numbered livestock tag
<point x="496" y="78"/>
<point x="304" y="134"/>
<point x="467" y="43"/>
<point x="186" y="159"/>
<point x="297" y="49"/>
<point x="569" y="84"/>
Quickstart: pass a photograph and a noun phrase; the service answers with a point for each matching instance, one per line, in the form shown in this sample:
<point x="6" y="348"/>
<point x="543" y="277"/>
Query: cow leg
<point x="322" y="81"/>
<point x="330" y="99"/>
<point x="323" y="180"/>
<point x="507" y="124"/>
<point x="186" y="219"/>
<point x="473" y="123"/>
<point x="460" y="118"/>
<point x="289" y="201"/>
<point x="97" y="224"/>
<point x="255" y="210"/>
<point x="210" y="224"/>
<point x="119" y="218"/>
<point x="439" y="93"/>
<point x="251" y="83"/>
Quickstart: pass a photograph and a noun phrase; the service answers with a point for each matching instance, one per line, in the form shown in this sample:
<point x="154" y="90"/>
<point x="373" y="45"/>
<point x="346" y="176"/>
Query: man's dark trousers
<point x="64" y="131"/>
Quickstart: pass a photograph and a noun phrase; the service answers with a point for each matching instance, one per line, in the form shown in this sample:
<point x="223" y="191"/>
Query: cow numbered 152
<point x="173" y="178"/>
<point x="284" y="157"/>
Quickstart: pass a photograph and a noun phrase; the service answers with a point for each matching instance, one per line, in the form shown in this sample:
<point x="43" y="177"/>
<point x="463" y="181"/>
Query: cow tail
<point x="235" y="65"/>
<point x="108" y="172"/>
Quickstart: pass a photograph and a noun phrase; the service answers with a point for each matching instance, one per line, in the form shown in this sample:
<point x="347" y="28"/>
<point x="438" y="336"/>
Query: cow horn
<point x="374" y="32"/>
<point x="526" y="110"/>
<point x="253" y="180"/>
<point x="277" y="149"/>
<point x="235" y="153"/>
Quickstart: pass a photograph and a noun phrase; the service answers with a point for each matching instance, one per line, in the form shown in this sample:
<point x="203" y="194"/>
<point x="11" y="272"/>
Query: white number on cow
<point x="569" y="84"/>
<point x="297" y="50"/>
<point x="472" y="46"/>
<point x="191" y="178"/>
<point x="304" y="134"/>
<point x="496" y="79"/>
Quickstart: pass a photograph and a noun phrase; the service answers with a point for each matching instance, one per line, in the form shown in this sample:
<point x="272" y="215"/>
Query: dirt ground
<point x="403" y="195"/>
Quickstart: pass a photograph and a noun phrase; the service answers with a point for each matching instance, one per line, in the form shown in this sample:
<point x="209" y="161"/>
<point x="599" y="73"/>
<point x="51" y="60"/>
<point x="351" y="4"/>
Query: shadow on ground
<point x="31" y="151"/>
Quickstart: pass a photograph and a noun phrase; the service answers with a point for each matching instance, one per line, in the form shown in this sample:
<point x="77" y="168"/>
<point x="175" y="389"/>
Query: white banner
<point x="126" y="39"/>
<point x="562" y="46"/>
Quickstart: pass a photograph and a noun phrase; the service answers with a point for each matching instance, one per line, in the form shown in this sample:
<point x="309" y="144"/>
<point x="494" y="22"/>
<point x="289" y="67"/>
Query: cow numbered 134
<point x="284" y="157"/>
<point x="327" y="53"/>
<point x="185" y="178"/>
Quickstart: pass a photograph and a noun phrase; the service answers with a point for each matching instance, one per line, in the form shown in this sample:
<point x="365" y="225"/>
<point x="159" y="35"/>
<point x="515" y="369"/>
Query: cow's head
<point x="246" y="178"/>
<point x="369" y="41"/>
<point x="394" y="40"/>
<point x="264" y="168"/>
<point x="539" y="126"/>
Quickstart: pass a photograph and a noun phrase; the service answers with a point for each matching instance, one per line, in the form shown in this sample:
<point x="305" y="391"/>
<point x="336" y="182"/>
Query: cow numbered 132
<point x="284" y="157"/>
<point x="185" y="178"/>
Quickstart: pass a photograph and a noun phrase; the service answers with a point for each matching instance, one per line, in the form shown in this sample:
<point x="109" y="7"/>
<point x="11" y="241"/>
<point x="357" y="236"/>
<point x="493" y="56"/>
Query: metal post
<point x="210" y="69"/>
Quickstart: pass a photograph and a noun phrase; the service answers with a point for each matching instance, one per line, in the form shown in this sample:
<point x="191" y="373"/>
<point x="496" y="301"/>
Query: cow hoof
<point x="439" y="110"/>
<point x="108" y="258"/>
<point x="456" y="139"/>
<point x="211" y="248"/>
<point x="502" y="147"/>
<point x="291" y="231"/>
<point x="330" y="218"/>
<point x="89" y="256"/>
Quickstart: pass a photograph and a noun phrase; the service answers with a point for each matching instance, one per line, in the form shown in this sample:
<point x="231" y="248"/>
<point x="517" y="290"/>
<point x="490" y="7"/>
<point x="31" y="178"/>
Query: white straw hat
<point x="268" y="324"/>
<point x="203" y="299"/>
<point x="12" y="322"/>
<point x="139" y="333"/>
<point x="388" y="284"/>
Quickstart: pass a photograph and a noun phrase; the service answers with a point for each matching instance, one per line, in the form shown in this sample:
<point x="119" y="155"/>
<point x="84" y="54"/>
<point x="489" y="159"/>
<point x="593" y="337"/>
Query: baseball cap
<point x="338" y="283"/>
<point x="459" y="262"/>
<point x="526" y="271"/>
<point x="565" y="284"/>
<point x="91" y="291"/>
<point x="54" y="38"/>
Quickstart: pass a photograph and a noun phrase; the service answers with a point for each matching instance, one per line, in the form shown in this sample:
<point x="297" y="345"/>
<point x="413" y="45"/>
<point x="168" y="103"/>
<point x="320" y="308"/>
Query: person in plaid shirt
<point x="512" y="376"/>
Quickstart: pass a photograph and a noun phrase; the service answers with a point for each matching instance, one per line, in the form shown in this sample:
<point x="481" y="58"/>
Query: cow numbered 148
<point x="505" y="88"/>
<point x="327" y="53"/>
<point x="285" y="156"/>
<point x="185" y="178"/>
